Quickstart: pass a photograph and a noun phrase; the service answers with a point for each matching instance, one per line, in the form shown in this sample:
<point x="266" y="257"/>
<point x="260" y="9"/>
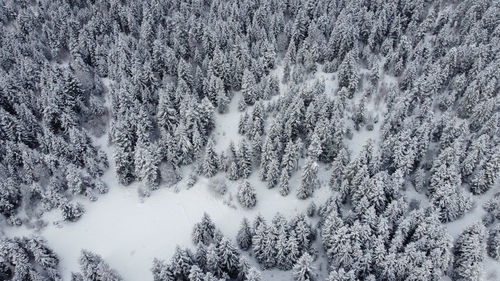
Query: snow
<point x="363" y="136"/>
<point x="226" y="126"/>
<point x="129" y="231"/>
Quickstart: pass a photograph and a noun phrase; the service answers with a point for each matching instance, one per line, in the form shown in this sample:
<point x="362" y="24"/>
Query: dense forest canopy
<point x="153" y="76"/>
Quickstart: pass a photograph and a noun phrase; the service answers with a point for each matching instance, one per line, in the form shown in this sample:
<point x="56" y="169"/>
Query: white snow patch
<point x="226" y="126"/>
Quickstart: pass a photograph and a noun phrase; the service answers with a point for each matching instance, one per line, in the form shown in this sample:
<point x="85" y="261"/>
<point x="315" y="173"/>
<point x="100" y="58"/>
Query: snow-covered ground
<point x="129" y="231"/>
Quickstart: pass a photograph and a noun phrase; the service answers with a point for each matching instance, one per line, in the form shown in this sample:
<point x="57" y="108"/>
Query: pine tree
<point x="222" y="101"/>
<point x="181" y="263"/>
<point x="348" y="76"/>
<point x="228" y="257"/>
<point x="311" y="210"/>
<point x="44" y="257"/>
<point x="206" y="113"/>
<point x="204" y="231"/>
<point x="341" y="275"/>
<point x="196" y="274"/>
<point x="359" y="116"/>
<point x="494" y="242"/>
<point x="184" y="149"/>
<point x="444" y="188"/>
<point x="286" y="72"/>
<point x="259" y="242"/>
<point x="282" y="260"/>
<point x="268" y="257"/>
<point x="338" y="167"/>
<point x="309" y="179"/>
<point x="213" y="260"/>
<point x="244" y="160"/>
<point x="303" y="232"/>
<point x="272" y="176"/>
<point x="303" y="270"/>
<point x="293" y="248"/>
<point x="95" y="269"/>
<point x="267" y="156"/>
<point x="248" y="87"/>
<point x="200" y="256"/>
<point x="244" y="236"/>
<point x="487" y="175"/>
<point x="253" y="275"/>
<point x="161" y="271"/>
<point x="470" y="249"/>
<point x="210" y="161"/>
<point x="150" y="173"/>
<point x="233" y="171"/>
<point x="247" y="195"/>
<point x="284" y="187"/>
<point x="243" y="268"/>
<point x="314" y="150"/>
<point x="72" y="211"/>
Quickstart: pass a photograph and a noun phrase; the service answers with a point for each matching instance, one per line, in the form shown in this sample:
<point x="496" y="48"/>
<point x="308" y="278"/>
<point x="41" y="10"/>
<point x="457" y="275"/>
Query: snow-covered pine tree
<point x="196" y="274"/>
<point x="204" y="231"/>
<point x="348" y="76"/>
<point x="293" y="250"/>
<point x="494" y="242"/>
<point x="303" y="269"/>
<point x="309" y="179"/>
<point x="284" y="187"/>
<point x="248" y="87"/>
<point x="247" y="195"/>
<point x="181" y="263"/>
<point x="244" y="159"/>
<point x="94" y="268"/>
<point x="470" y="251"/>
<point x="228" y="257"/>
<point x="253" y="275"/>
<point x="259" y="237"/>
<point x="213" y="260"/>
<point x="210" y="161"/>
<point x="244" y="236"/>
<point x="341" y="275"/>
<point x="314" y="150"/>
<point x="487" y="174"/>
<point x="233" y="173"/>
<point x="272" y="176"/>
<point x="282" y="260"/>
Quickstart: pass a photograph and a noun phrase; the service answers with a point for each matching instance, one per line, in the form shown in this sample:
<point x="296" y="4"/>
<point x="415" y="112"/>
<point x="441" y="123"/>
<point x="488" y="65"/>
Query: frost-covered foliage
<point x="27" y="259"/>
<point x="492" y="206"/>
<point x="244" y="237"/>
<point x="204" y="231"/>
<point x="303" y="270"/>
<point x="246" y="195"/>
<point x="311" y="79"/>
<point x="470" y="251"/>
<point x="49" y="105"/>
<point x="94" y="268"/>
<point x="217" y="259"/>
<point x="279" y="244"/>
<point x="494" y="242"/>
<point x="384" y="240"/>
